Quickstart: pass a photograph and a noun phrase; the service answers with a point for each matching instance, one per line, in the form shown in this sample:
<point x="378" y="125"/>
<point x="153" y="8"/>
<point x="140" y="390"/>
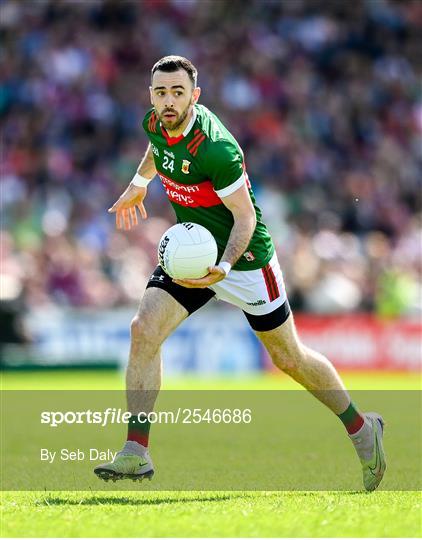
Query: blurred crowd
<point x="322" y="95"/>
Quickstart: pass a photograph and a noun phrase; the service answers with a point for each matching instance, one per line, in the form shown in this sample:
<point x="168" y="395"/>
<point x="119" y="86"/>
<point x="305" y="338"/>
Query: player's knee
<point x="289" y="359"/>
<point x="136" y="328"/>
<point x="142" y="332"/>
<point x="286" y="363"/>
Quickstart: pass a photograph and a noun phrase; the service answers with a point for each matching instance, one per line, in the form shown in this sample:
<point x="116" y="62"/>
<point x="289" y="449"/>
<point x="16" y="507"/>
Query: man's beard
<point x="170" y="126"/>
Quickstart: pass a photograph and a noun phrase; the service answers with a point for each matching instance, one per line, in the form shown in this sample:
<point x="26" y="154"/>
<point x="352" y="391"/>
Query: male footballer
<point x="202" y="169"/>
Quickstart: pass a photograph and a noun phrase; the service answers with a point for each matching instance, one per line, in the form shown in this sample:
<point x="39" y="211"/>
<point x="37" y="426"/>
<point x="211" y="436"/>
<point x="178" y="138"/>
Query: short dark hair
<point x="168" y="64"/>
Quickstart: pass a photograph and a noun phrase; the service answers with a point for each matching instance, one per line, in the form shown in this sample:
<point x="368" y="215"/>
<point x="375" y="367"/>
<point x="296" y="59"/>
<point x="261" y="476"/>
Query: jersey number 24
<point x="168" y="164"/>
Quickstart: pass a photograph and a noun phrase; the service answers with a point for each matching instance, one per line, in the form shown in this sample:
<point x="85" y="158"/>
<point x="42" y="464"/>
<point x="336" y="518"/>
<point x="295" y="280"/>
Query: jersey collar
<point x="190" y="125"/>
<point x="174" y="140"/>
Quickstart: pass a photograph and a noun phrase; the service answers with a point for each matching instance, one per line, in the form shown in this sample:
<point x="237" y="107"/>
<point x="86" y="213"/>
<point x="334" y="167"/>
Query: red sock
<point x="138" y="430"/>
<point x="352" y="419"/>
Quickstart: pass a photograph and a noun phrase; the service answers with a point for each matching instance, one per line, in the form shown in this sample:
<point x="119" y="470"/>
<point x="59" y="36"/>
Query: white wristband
<point x="140" y="181"/>
<point x="226" y="266"/>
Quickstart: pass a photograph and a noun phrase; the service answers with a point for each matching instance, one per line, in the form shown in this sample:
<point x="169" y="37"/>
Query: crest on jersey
<point x="249" y="256"/>
<point x="185" y="166"/>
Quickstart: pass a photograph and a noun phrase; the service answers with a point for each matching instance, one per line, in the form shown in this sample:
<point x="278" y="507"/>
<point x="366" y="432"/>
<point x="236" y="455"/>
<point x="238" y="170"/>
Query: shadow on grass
<point x="95" y="500"/>
<point x="130" y="501"/>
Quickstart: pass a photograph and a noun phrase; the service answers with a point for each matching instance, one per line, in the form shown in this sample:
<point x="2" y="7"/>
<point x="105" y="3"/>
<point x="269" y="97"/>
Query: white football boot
<point x="133" y="463"/>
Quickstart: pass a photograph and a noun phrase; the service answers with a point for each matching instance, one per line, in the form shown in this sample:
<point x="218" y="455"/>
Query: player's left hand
<point x="215" y="275"/>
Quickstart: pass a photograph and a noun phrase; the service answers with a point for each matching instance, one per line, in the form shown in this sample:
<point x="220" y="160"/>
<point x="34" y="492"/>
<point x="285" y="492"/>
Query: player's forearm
<point x="147" y="166"/>
<point x="239" y="238"/>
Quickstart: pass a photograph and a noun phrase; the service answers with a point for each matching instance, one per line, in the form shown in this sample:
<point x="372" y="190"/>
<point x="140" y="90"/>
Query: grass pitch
<point x="207" y="514"/>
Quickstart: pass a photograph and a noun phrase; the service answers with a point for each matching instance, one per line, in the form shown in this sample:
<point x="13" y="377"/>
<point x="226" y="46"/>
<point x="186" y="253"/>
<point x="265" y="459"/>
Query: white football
<point x="186" y="250"/>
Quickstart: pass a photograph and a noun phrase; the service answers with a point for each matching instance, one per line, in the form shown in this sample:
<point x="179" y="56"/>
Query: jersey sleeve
<point x="150" y="122"/>
<point x="225" y="167"/>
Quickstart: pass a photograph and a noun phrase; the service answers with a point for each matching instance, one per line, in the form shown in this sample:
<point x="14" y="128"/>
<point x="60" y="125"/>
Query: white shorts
<point x="256" y="292"/>
<point x="260" y="294"/>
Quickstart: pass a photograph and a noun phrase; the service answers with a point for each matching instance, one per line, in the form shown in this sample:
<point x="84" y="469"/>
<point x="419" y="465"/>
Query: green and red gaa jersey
<point x="197" y="169"/>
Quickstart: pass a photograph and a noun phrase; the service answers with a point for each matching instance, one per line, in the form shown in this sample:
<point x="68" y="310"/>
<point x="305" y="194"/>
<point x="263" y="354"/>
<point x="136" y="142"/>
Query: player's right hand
<point x="127" y="206"/>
